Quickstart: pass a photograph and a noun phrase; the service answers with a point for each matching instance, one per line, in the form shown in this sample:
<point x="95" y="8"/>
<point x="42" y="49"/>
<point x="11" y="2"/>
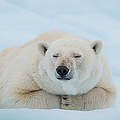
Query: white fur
<point x="27" y="74"/>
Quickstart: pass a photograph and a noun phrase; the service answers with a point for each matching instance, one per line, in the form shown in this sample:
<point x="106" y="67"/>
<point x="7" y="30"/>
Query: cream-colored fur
<point x="27" y="74"/>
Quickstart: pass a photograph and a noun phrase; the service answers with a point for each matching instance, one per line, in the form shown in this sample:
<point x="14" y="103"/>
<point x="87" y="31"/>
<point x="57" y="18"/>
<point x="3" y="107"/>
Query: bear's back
<point x="51" y="36"/>
<point x="6" y="56"/>
<point x="9" y="54"/>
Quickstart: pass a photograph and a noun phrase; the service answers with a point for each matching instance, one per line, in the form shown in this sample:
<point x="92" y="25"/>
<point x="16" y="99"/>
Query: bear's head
<point x="71" y="66"/>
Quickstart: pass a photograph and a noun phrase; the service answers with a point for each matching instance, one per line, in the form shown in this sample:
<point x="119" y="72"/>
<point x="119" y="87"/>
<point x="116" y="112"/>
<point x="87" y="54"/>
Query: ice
<point x="57" y="114"/>
<point x="30" y="114"/>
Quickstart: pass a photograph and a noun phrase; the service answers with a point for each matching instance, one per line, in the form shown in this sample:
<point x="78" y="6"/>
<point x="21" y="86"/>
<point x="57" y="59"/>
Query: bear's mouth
<point x="63" y="78"/>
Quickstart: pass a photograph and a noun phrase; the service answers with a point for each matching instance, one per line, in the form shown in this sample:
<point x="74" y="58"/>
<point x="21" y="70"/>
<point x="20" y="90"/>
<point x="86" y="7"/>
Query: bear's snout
<point x="62" y="73"/>
<point x="62" y="70"/>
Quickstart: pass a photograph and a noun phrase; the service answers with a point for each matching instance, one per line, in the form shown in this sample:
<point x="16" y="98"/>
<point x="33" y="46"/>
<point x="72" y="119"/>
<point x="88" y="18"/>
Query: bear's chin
<point x="70" y="90"/>
<point x="66" y="92"/>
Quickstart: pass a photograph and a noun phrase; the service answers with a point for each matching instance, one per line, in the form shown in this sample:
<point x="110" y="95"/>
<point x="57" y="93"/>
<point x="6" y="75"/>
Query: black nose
<point x="62" y="70"/>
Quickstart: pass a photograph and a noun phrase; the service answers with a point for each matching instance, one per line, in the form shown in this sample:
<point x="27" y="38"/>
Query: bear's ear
<point x="43" y="47"/>
<point x="96" y="46"/>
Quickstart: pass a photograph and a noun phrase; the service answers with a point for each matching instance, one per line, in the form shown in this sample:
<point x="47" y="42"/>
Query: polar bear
<point x="57" y="70"/>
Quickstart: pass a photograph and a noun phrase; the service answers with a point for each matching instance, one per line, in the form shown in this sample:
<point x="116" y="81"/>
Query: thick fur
<point x="27" y="74"/>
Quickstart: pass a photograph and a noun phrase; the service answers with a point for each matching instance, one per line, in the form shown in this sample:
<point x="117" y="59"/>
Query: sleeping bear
<point x="57" y="70"/>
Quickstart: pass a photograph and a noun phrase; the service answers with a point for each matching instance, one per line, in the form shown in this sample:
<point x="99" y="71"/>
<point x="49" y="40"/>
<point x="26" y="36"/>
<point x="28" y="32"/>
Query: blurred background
<point x="23" y="20"/>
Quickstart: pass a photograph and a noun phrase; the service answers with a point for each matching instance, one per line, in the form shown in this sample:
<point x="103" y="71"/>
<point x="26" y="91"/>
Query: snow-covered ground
<point x="23" y="20"/>
<point x="29" y="114"/>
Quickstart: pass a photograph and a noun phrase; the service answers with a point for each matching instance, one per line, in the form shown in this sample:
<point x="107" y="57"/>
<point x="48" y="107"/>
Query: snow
<point x="29" y="114"/>
<point x="23" y="20"/>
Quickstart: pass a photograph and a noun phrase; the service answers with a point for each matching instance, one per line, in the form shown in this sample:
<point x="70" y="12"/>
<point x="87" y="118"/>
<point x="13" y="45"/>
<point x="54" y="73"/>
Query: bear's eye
<point x="56" y="55"/>
<point x="77" y="56"/>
